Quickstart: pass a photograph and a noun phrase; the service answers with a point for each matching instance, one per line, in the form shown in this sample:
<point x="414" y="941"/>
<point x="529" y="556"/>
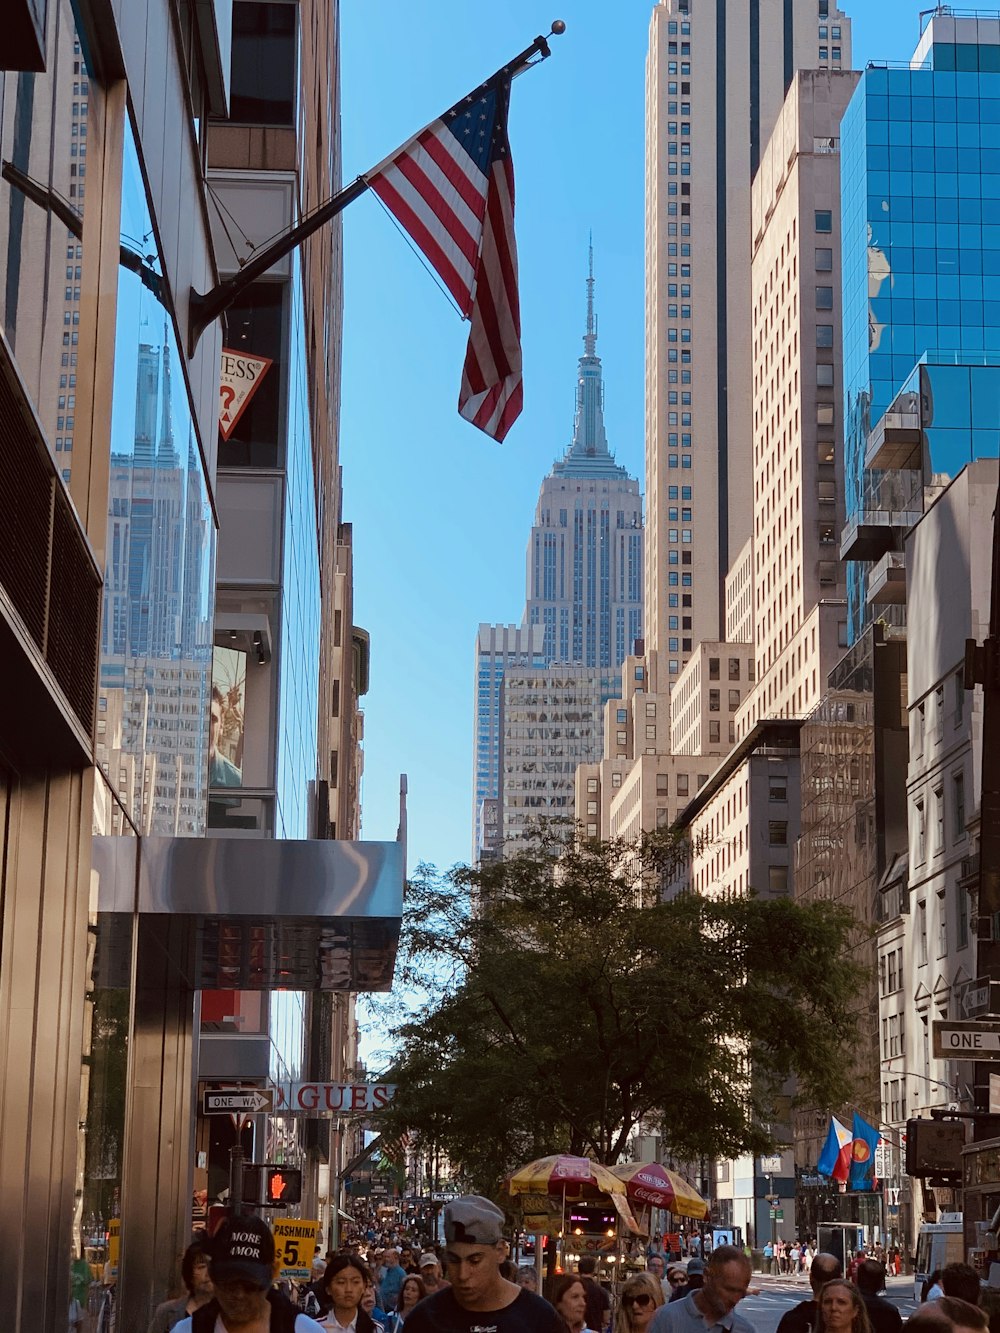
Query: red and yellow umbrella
<point x="562" y="1174"/>
<point x="652" y="1183"/>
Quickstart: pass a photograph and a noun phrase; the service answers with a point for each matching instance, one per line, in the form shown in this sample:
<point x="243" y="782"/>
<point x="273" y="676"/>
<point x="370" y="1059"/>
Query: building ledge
<point x="887" y="581"/>
<point x="871" y="534"/>
<point x="260" y="914"/>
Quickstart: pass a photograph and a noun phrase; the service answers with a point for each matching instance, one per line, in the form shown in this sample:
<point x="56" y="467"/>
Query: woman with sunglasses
<point x="641" y="1297"/>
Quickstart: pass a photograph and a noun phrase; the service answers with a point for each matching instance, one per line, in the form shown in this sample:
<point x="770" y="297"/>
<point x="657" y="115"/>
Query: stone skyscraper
<point x="709" y="64"/>
<point x="583" y="610"/>
<point x="585" y="561"/>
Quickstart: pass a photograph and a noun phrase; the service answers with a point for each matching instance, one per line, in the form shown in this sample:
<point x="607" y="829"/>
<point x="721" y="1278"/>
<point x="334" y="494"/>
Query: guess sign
<point x="332" y="1098"/>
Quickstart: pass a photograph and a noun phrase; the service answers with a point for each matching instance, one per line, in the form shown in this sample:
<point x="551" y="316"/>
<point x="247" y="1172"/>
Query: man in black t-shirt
<point x="479" y="1300"/>
<point x="598" y="1309"/>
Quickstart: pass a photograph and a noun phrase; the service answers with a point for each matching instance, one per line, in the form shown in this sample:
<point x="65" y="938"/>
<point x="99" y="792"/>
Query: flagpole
<point x="204" y="307"/>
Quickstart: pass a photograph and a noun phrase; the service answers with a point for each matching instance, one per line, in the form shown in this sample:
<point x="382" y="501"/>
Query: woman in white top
<point x="344" y="1283"/>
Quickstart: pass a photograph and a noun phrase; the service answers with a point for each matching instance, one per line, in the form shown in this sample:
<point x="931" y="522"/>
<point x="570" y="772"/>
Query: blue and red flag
<point x="863" y="1147"/>
<point x="835" y="1159"/>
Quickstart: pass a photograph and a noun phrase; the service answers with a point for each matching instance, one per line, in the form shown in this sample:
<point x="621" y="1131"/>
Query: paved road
<point x="779" y="1294"/>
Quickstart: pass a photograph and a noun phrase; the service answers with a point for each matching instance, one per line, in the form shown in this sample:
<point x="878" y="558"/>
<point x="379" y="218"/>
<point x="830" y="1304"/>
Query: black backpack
<point x="283" y="1315"/>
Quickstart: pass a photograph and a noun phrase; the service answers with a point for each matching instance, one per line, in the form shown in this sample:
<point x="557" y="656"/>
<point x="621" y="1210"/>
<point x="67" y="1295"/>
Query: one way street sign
<point x="979" y="997"/>
<point x="238" y="1101"/>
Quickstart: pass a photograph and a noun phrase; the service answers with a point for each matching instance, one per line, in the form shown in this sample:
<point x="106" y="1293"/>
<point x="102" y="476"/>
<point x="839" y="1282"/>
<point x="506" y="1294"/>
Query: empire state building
<point x="585" y="553"/>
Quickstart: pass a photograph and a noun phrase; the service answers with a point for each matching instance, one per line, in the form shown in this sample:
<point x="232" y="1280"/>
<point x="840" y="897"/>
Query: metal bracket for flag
<point x="204" y="307"/>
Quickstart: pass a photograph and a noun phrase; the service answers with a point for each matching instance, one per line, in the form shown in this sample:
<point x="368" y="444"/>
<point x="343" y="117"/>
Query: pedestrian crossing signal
<point x="271" y="1186"/>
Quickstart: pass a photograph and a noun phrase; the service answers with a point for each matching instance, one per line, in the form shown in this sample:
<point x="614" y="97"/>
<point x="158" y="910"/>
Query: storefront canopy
<point x="256" y="913"/>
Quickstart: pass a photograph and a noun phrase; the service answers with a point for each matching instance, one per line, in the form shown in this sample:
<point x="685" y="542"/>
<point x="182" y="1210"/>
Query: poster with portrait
<point x="228" y="717"/>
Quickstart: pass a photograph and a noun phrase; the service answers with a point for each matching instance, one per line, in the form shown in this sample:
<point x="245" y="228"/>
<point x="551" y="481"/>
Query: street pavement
<point x="778" y="1294"/>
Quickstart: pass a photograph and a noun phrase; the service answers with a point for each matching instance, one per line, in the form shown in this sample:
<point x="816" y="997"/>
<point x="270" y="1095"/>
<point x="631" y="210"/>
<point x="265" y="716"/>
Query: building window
<point x="942" y="944"/>
<point x="824" y="259"/>
<point x="682" y="784"/>
<point x="939" y="819"/>
<point x="714" y="733"/>
<point x="920" y="832"/>
<point x="959" y="698"/>
<point x="734" y="668"/>
<point x="777" y="879"/>
<point x="777" y="788"/>
<point x="714" y="701"/>
<point x="824" y="335"/>
<point x="592" y="784"/>
<point x="961" y="917"/>
<point x="958" y="806"/>
<point x="650" y="731"/>
<point x="921" y="932"/>
<point x="777" y="832"/>
<point x="824" y="376"/>
<point x="616" y="779"/>
<point x="622" y="714"/>
<point x="734" y="700"/>
<point x="824" y="298"/>
<point x="263" y="64"/>
<point x="824" y="220"/>
<point x="662" y="784"/>
<point x="713" y="668"/>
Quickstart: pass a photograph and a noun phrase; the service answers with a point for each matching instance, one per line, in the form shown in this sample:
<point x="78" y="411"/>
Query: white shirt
<point x="332" y="1323"/>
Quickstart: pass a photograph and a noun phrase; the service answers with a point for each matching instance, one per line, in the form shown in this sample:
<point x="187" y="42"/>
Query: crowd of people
<point x="794" y="1257"/>
<point x="470" y="1285"/>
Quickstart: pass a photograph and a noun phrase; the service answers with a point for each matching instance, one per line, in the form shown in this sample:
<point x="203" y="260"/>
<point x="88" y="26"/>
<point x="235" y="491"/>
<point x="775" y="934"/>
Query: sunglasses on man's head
<point x="642" y="1299"/>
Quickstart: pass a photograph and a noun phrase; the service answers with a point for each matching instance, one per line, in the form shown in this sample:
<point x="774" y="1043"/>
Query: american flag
<point x="452" y="188"/>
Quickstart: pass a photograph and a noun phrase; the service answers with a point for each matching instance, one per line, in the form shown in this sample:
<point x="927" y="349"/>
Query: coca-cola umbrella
<point x="652" y="1183"/>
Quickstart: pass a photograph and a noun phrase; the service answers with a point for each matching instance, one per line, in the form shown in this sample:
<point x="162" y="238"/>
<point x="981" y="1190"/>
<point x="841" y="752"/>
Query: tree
<point x="566" y="1004"/>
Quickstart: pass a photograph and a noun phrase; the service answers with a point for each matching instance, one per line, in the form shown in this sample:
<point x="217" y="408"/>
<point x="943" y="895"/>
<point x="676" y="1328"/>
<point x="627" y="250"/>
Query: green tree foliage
<point x="566" y="1003"/>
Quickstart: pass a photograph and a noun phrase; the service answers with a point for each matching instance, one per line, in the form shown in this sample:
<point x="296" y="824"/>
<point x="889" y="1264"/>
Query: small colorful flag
<point x="835" y="1159"/>
<point x="866" y="1139"/>
<point x="451" y="187"/>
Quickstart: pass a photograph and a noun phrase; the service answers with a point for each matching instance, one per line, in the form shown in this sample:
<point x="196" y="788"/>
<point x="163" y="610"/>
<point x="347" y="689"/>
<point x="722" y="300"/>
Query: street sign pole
<point x="236" y="1177"/>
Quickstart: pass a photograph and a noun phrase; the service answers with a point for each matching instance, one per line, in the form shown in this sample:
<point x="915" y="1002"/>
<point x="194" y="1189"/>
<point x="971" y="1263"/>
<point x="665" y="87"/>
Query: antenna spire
<point x="590" y="337"/>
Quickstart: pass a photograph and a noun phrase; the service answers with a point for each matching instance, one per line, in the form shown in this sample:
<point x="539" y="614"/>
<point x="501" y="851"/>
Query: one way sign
<point x="979" y="997"/>
<point x="238" y="1101"/>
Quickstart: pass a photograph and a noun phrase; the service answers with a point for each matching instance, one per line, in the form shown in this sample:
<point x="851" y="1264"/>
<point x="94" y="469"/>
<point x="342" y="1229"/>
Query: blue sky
<point x="442" y="514"/>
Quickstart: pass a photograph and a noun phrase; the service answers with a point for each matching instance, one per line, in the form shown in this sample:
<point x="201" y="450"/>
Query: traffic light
<point x="270" y="1186"/>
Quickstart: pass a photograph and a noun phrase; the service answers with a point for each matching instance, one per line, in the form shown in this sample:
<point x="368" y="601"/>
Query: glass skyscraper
<point x="920" y="159"/>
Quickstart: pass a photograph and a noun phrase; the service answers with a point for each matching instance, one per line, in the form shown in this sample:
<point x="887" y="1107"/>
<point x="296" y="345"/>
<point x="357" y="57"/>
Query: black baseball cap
<point x="243" y="1247"/>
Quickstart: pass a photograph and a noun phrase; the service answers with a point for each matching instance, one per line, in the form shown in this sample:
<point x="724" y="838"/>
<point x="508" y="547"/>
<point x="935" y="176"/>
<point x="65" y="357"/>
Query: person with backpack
<point x="243" y="1270"/>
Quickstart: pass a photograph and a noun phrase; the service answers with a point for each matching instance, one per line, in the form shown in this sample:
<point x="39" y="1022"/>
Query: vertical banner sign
<point x="239" y="379"/>
<point x="114" y="1243"/>
<point x="294" y="1244"/>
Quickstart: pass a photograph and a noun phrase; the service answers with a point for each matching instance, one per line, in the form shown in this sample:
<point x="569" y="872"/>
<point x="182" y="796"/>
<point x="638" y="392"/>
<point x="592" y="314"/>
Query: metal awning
<point x="256" y="914"/>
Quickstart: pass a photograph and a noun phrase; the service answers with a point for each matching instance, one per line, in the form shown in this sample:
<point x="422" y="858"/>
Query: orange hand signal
<point x="277" y="1185"/>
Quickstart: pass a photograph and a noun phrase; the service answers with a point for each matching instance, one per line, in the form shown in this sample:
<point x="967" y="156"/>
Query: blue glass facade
<point x="920" y="151"/>
<point x="156" y="631"/>
<point x="298" y="679"/>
